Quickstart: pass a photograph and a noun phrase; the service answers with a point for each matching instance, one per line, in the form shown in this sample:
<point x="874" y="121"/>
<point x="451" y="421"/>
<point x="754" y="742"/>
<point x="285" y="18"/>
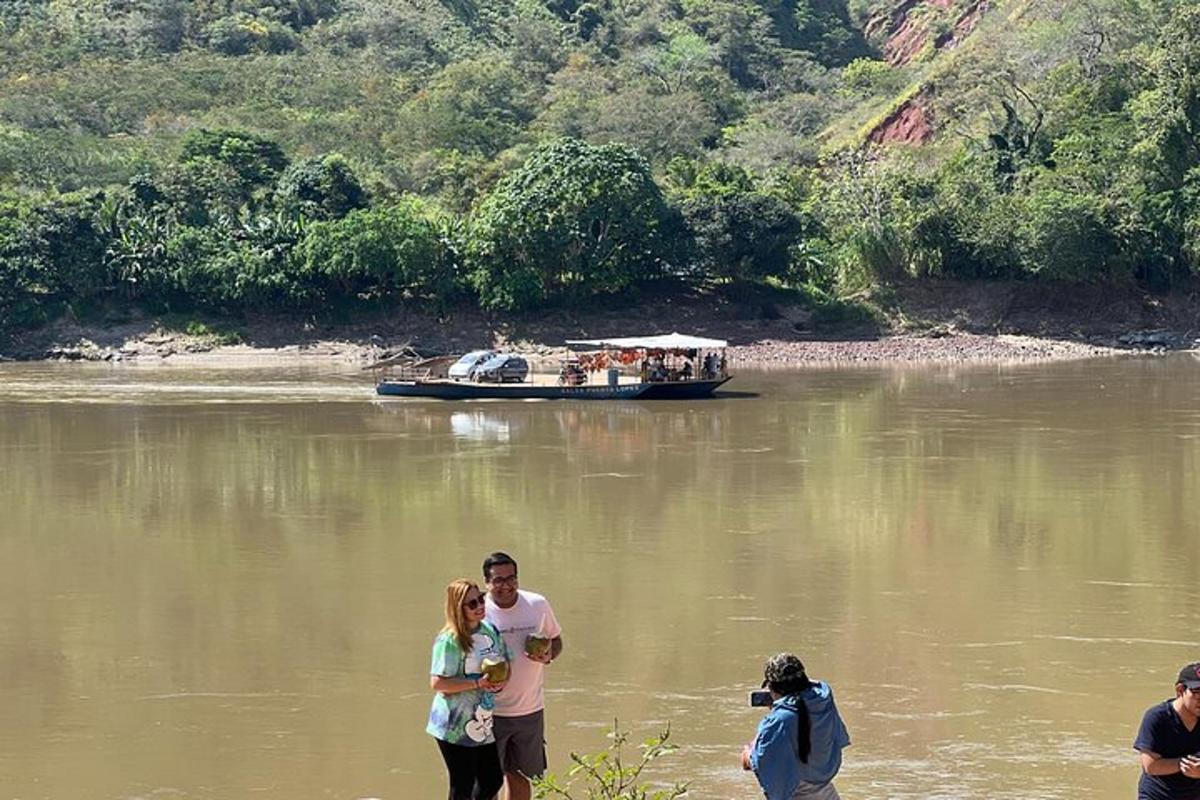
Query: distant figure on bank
<point x="461" y="717"/>
<point x="533" y="635"/>
<point x="1169" y="741"/>
<point x="798" y="748"/>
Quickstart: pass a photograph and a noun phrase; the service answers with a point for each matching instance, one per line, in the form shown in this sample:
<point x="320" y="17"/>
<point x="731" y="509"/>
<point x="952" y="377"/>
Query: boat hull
<point x="461" y="390"/>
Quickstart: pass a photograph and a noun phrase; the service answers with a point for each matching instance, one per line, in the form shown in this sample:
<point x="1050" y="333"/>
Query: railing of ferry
<point x="405" y="373"/>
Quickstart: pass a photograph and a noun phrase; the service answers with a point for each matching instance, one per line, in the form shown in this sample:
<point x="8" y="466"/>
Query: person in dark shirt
<point x="1169" y="741"/>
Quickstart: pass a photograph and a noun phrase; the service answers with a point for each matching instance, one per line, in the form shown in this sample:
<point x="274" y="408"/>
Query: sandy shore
<point x="181" y="350"/>
<point x="926" y="322"/>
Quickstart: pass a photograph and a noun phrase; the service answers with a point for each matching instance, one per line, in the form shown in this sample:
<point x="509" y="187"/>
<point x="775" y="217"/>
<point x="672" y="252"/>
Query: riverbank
<point x="926" y="322"/>
<point x="175" y="349"/>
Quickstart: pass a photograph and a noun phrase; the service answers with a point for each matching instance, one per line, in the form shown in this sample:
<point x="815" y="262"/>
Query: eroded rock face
<point x="911" y="123"/>
<point x="905" y="33"/>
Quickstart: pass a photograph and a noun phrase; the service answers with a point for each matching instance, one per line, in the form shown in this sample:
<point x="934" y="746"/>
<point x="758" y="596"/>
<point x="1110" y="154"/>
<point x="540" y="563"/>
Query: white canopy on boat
<point x="673" y="341"/>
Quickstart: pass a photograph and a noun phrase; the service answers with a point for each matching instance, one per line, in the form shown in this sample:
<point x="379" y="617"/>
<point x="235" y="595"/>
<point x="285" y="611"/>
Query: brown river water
<point x="224" y="584"/>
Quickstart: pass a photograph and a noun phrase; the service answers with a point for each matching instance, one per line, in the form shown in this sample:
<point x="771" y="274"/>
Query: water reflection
<point x="215" y="599"/>
<point x="480" y="427"/>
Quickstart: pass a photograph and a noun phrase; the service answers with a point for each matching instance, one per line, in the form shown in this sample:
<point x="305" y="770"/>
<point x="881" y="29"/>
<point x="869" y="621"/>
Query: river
<point x="224" y="583"/>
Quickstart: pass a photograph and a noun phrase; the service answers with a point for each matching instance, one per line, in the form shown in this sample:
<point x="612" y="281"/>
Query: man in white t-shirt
<point x="518" y="721"/>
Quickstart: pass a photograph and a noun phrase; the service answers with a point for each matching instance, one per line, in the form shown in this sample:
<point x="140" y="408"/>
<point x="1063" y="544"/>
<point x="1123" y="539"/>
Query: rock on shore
<point x="951" y="348"/>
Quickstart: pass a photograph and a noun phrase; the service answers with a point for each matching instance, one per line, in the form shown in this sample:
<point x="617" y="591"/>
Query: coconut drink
<point x="537" y="646"/>
<point x="495" y="669"/>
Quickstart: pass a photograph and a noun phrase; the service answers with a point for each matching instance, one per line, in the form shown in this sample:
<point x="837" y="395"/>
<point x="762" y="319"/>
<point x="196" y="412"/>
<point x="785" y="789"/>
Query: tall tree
<point x="574" y="218"/>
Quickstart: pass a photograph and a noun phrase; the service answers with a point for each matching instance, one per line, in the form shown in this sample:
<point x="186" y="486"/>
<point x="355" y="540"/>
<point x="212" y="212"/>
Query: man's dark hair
<point x="784" y="675"/>
<point x="495" y="560"/>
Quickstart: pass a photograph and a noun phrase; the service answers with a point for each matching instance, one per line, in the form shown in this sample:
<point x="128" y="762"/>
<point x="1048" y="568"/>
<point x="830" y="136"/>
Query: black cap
<point x="1189" y="676"/>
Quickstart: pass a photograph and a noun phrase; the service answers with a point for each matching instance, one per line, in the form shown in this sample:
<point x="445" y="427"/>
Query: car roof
<point x="475" y="354"/>
<point x="499" y="359"/>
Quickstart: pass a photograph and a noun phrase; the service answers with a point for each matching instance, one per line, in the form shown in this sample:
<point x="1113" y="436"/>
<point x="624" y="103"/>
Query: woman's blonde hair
<point x="457" y="623"/>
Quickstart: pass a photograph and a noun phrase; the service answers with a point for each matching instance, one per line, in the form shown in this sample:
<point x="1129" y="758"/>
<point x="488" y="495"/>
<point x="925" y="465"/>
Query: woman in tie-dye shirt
<point x="461" y="717"/>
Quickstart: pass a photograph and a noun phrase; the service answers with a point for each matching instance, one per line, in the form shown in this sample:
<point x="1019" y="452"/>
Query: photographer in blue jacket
<point x="798" y="748"/>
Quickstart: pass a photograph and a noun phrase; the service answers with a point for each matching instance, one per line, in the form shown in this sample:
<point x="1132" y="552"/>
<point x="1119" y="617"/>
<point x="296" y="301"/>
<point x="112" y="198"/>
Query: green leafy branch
<point x="607" y="776"/>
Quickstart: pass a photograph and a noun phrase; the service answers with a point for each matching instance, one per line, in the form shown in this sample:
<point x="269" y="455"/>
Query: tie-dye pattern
<point x="464" y="718"/>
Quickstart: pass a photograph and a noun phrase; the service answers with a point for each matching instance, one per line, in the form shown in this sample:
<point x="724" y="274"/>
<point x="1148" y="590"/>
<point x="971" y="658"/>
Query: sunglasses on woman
<point x="473" y="603"/>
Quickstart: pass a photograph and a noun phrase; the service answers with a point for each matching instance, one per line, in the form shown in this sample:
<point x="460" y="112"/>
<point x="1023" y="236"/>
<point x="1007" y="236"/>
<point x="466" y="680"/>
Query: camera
<point x="760" y="698"/>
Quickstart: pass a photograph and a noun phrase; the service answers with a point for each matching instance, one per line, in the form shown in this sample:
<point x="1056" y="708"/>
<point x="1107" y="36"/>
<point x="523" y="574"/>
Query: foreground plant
<point x="606" y="776"/>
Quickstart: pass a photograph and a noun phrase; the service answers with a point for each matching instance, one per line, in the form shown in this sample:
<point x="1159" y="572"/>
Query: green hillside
<point x="239" y="154"/>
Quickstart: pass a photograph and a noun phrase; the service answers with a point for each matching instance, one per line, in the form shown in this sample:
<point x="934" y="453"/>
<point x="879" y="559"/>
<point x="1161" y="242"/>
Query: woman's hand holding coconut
<point x="495" y="673"/>
<point x="491" y="686"/>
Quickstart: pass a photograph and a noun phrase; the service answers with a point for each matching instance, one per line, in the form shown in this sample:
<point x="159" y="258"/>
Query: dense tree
<point x="676" y="124"/>
<point x="69" y="239"/>
<point x="254" y="160"/>
<point x="23" y="276"/>
<point x="381" y="250"/>
<point x="573" y="219"/>
<point x="323" y="187"/>
<point x="242" y="33"/>
<point x="234" y="265"/>
<point x="477" y="106"/>
<point x="744" y="236"/>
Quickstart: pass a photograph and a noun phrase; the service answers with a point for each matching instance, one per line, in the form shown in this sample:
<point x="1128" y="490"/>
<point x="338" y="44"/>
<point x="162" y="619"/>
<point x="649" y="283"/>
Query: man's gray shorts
<point x="522" y="743"/>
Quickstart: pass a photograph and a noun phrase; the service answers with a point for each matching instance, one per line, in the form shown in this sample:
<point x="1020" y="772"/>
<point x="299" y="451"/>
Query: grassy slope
<point x="70" y="118"/>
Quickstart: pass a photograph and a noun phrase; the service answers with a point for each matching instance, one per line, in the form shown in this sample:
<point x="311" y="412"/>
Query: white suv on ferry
<point x="464" y="368"/>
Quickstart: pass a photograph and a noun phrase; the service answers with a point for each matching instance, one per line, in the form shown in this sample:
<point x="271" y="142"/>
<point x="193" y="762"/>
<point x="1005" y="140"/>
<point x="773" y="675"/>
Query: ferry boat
<point x="667" y="367"/>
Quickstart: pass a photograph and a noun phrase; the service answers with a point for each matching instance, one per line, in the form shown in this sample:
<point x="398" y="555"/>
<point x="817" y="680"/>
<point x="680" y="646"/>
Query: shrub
<point x="1065" y="235"/>
<point x="606" y="775"/>
<point x="869" y="76"/>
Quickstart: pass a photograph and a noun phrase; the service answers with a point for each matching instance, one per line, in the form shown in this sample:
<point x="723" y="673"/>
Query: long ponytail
<point x="803" y="730"/>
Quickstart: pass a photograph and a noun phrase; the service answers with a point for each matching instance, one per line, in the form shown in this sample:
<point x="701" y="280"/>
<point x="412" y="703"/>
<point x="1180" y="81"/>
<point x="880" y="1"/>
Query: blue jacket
<point x="775" y="757"/>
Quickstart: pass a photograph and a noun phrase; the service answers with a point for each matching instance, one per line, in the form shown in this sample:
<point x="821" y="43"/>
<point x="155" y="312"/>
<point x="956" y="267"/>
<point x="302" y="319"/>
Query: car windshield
<point x="495" y="362"/>
<point x="472" y="357"/>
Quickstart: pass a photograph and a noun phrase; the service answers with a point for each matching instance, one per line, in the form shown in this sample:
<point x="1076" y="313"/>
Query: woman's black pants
<point x="474" y="771"/>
